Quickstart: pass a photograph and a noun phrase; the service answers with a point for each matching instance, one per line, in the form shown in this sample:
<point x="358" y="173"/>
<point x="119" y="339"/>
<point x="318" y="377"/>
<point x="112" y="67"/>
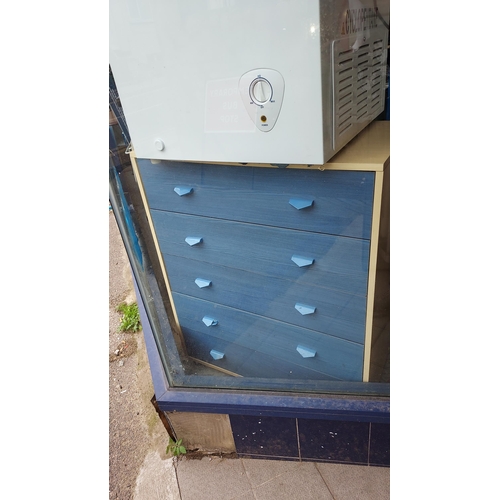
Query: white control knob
<point x="261" y="90"/>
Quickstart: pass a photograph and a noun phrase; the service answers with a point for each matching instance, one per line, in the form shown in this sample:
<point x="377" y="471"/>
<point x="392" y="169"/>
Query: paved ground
<point x="251" y="479"/>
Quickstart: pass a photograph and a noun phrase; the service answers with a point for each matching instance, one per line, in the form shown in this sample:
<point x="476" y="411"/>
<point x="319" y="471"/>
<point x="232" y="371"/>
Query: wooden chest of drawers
<point x="271" y="271"/>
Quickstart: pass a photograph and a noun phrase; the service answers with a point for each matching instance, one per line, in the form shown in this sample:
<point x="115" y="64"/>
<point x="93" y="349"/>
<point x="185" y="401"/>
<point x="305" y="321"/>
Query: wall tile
<point x="334" y="441"/>
<point x="265" y="436"/>
<point x="380" y="444"/>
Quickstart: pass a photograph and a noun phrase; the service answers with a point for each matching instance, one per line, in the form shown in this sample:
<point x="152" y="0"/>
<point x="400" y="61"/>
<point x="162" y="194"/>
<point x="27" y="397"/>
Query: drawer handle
<point x="202" y="283"/>
<point x="193" y="240"/>
<point x="300" y="203"/>
<point x="305" y="352"/>
<point x="210" y="321"/>
<point x="183" y="190"/>
<point x="302" y="261"/>
<point x="216" y="354"/>
<point x="305" y="309"/>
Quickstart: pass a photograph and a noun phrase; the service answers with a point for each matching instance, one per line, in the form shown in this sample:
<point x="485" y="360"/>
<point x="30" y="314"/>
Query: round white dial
<point x="261" y="90"/>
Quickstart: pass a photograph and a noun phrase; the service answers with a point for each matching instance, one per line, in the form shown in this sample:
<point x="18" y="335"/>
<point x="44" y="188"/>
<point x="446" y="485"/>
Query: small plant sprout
<point x="175" y="447"/>
<point x="130" y="322"/>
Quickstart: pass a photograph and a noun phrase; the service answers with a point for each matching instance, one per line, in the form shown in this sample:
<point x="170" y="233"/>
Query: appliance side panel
<point x="351" y="27"/>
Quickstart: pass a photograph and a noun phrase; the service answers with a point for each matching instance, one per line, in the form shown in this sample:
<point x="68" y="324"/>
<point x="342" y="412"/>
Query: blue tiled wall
<point x="362" y="443"/>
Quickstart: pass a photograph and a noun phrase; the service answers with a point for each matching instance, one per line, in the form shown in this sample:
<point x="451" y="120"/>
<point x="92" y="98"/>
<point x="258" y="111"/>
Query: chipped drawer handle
<point x="300" y="203"/>
<point x="202" y="283"/>
<point x="193" y="240"/>
<point x="305" y="352"/>
<point x="210" y="321"/>
<point x="183" y="190"/>
<point x="305" y="309"/>
<point x="216" y="354"/>
<point x="302" y="261"/>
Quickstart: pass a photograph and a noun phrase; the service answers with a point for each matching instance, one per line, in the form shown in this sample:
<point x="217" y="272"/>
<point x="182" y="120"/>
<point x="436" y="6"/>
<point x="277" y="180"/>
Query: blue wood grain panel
<point x="342" y="200"/>
<point x="335" y="313"/>
<point x="340" y="263"/>
<point x="247" y="362"/>
<point x="335" y="357"/>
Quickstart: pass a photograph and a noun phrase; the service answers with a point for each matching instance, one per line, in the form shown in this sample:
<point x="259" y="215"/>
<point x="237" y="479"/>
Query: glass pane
<point x="239" y="296"/>
<point x="254" y="204"/>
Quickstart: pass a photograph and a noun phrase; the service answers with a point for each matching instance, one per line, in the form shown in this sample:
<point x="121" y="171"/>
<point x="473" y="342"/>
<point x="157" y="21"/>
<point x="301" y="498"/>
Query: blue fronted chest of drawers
<point x="268" y="268"/>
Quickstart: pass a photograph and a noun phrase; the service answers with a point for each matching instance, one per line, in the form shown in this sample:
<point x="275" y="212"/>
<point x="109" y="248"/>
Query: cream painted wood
<point x="153" y="233"/>
<point x="372" y="269"/>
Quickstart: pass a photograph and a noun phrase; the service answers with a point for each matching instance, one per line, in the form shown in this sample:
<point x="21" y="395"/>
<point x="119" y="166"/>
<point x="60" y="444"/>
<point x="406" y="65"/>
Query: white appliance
<point x="261" y="81"/>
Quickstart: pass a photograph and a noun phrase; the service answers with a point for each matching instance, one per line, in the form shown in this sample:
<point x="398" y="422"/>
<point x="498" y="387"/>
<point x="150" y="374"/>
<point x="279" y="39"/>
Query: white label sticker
<point x="224" y="111"/>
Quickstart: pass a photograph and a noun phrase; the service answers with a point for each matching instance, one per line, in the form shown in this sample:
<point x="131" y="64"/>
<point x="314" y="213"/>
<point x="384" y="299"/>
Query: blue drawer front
<point x="340" y="263"/>
<point x="335" y="313"/>
<point x="334" y="357"/>
<point x="330" y="202"/>
<point x="248" y="362"/>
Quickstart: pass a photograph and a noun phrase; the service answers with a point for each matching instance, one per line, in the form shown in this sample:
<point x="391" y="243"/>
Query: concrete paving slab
<point x="261" y="471"/>
<point x="157" y="479"/>
<point x="304" y="482"/>
<point x="353" y="482"/>
<point x="246" y="496"/>
<point x="212" y="478"/>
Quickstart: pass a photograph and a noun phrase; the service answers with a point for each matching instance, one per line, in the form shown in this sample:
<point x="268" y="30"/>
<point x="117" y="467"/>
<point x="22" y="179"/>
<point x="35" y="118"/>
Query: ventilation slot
<point x="345" y="71"/>
<point x="358" y="82"/>
<point x="342" y="108"/>
<point x="345" y="80"/>
<point x="363" y="101"/>
<point x="343" y="130"/>
<point x="346" y="64"/>
<point x="343" y="98"/>
<point x="346" y="90"/>
<point x="362" y="109"/>
<point x="362" y="83"/>
<point x="343" y="53"/>
<point x="344" y="116"/>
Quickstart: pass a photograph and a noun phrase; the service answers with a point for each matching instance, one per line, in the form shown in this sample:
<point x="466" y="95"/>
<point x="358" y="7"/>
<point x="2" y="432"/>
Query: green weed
<point x="175" y="447"/>
<point x="130" y="322"/>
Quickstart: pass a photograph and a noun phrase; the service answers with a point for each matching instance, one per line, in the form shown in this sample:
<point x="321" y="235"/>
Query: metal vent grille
<point x="358" y="87"/>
